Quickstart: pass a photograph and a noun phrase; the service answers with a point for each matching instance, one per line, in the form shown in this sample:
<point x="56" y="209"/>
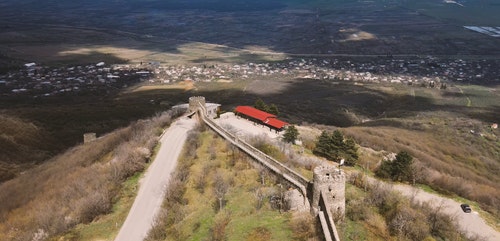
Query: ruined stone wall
<point x="328" y="188"/>
<point x="328" y="200"/>
<point x="89" y="137"/>
<point x="331" y="181"/>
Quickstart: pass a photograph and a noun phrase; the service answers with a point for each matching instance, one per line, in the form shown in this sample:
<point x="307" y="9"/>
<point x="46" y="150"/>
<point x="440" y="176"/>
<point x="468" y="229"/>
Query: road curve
<point x="471" y="223"/>
<point x="152" y="186"/>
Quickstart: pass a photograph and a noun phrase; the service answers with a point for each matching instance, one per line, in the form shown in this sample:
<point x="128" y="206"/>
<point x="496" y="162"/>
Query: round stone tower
<point x="331" y="181"/>
<point x="195" y="101"/>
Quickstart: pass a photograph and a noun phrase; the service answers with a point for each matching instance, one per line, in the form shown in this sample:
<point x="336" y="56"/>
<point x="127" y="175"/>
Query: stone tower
<point x="194" y="102"/>
<point x="330" y="181"/>
<point x="89" y="137"/>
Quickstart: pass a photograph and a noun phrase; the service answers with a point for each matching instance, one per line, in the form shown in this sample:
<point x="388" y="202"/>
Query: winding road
<point x="471" y="223"/>
<point x="152" y="186"/>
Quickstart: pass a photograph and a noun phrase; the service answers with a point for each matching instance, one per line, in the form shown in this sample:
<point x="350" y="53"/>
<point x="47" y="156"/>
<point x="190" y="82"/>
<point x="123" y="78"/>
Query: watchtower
<point x="89" y="137"/>
<point x="330" y="181"/>
<point x="195" y="102"/>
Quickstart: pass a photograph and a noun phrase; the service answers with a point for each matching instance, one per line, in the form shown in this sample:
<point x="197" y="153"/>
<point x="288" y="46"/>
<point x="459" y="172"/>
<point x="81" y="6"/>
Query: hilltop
<point x="421" y="77"/>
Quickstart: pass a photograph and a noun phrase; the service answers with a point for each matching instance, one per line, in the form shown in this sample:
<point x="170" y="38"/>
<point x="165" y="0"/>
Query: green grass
<point x="351" y="230"/>
<point x="427" y="188"/>
<point x="480" y="96"/>
<point x="245" y="218"/>
<point x="200" y="214"/>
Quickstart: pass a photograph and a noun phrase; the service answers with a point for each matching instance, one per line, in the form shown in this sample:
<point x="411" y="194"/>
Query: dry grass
<point x="20" y="141"/>
<point x="450" y="162"/>
<point x="386" y="215"/>
<point x="77" y="186"/>
<point x="198" y="208"/>
<point x="181" y="86"/>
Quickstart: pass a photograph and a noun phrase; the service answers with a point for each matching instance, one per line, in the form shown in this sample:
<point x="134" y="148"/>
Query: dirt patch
<point x="268" y="86"/>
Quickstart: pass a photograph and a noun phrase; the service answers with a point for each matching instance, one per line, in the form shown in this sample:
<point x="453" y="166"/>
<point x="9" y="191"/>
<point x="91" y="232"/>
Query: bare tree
<point x="259" y="195"/>
<point x="263" y="174"/>
<point x="220" y="188"/>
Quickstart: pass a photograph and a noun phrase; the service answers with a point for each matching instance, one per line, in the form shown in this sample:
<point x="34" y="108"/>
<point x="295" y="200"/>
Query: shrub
<point x="291" y="134"/>
<point x="94" y="204"/>
<point x="259" y="234"/>
<point x="218" y="231"/>
<point x="158" y="231"/>
<point x="263" y="144"/>
<point x="303" y="225"/>
<point x="399" y="169"/>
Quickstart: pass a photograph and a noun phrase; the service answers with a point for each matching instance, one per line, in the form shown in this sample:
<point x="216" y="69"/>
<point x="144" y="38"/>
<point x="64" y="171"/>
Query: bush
<point x="259" y="234"/>
<point x="291" y="134"/>
<point x="303" y="225"/>
<point x="218" y="231"/>
<point x="399" y="169"/>
<point x="263" y="144"/>
<point x="94" y="204"/>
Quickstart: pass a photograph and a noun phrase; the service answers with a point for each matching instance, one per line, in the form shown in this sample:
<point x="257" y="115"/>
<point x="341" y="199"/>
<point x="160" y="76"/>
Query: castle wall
<point x="331" y="181"/>
<point x="328" y="187"/>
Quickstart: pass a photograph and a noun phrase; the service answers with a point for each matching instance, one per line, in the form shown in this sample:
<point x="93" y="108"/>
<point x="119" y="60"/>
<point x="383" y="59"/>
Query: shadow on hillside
<point x="320" y="102"/>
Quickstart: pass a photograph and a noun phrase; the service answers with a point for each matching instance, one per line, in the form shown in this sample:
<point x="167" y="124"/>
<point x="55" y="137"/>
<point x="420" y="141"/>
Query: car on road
<point x="466" y="208"/>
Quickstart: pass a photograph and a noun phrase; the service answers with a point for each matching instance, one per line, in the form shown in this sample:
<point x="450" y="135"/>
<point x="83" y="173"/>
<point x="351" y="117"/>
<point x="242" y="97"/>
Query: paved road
<point x="152" y="185"/>
<point x="471" y="223"/>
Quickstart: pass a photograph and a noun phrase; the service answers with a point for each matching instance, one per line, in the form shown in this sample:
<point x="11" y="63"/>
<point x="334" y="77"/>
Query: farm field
<point x="181" y="34"/>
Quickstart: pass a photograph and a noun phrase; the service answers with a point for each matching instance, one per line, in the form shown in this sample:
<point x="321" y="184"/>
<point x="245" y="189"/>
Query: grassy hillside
<point x="246" y="211"/>
<point x="452" y="163"/>
<point x="433" y="125"/>
<point x="77" y="186"/>
<point x="447" y="131"/>
<point x="217" y="194"/>
<point x="34" y="130"/>
<point x="22" y="142"/>
<point x="376" y="212"/>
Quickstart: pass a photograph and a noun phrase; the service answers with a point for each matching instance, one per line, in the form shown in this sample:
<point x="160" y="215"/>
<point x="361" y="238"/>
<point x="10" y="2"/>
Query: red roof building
<point x="261" y="117"/>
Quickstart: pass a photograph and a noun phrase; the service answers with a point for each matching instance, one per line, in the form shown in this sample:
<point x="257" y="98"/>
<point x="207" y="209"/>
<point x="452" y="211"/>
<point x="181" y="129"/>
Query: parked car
<point x="466" y="208"/>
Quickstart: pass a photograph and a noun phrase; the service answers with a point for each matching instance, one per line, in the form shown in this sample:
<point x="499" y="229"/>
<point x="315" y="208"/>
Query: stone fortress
<point x="196" y="101"/>
<point x="324" y="196"/>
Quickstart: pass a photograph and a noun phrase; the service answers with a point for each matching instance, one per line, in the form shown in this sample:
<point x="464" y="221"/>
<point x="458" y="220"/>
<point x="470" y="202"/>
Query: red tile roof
<point x="276" y="123"/>
<point x="264" y="117"/>
<point x="254" y="113"/>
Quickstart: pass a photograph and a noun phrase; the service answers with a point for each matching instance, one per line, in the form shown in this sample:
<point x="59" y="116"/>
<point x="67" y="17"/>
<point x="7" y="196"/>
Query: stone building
<point x="89" y="137"/>
<point x="196" y="101"/>
<point x="330" y="181"/>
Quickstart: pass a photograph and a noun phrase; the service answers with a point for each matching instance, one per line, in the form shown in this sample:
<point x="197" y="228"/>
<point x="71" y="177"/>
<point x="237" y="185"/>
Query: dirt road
<point x="152" y="185"/>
